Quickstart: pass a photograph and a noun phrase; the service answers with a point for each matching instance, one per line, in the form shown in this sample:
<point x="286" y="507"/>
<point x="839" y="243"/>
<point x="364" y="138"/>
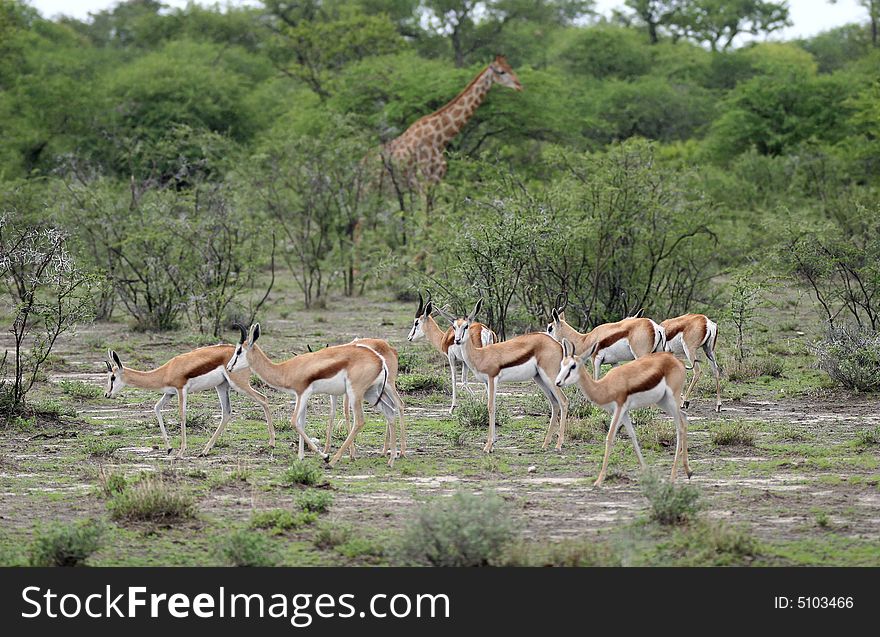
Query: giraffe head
<point x="503" y="74"/>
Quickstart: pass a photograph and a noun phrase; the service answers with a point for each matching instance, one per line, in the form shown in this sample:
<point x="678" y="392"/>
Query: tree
<point x="873" y="7"/>
<point x="719" y="22"/>
<point x="313" y="42"/>
<point x="655" y="14"/>
<point x="472" y="25"/>
<point x="50" y="293"/>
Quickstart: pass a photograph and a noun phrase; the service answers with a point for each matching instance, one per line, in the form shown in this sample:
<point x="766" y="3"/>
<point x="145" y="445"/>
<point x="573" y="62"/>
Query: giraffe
<point x="415" y="159"/>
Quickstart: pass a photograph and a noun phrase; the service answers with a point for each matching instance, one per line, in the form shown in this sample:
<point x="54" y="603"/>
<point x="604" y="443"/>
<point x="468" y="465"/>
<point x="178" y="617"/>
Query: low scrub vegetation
<point x="670" y="504"/>
<point x="314" y="501"/>
<point x="304" y="472"/>
<point x="151" y="499"/>
<point x="473" y="414"/>
<point x="278" y="521"/>
<point x="66" y="544"/>
<point x="851" y="357"/>
<point x="733" y="433"/>
<point x="416" y="382"/>
<point x="247" y="548"/>
<point x="461" y="530"/>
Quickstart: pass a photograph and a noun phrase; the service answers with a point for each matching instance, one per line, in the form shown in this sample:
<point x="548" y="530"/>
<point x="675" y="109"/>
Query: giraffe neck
<point x="450" y="119"/>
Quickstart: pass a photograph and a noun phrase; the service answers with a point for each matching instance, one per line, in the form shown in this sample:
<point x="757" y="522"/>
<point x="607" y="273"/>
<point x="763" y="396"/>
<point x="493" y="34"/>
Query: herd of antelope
<point x="366" y="370"/>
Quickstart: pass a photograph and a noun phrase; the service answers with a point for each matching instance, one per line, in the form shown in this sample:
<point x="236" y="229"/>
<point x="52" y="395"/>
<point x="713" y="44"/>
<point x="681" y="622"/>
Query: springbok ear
<point x="109" y="366"/>
<point x="555" y="315"/>
<point x="567" y="349"/>
<point x="428" y="309"/>
<point x="256" y="334"/>
<point x="115" y="358"/>
<point x="639" y="313"/>
<point x="476" y="310"/>
<point x="589" y="353"/>
<point x="447" y="315"/>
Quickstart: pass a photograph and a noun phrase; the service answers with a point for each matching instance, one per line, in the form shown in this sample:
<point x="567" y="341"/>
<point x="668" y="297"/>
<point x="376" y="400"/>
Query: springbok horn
<point x="421" y="305"/>
<point x="242" y="330"/>
<point x="561" y="301"/>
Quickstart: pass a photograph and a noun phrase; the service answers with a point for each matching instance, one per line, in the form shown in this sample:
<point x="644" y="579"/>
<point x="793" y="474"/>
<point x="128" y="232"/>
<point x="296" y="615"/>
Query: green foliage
<point x="868" y="437"/>
<point x="418" y="382"/>
<point x="586" y="552"/>
<point x="278" y="521"/>
<point x="711" y="543"/>
<point x="754" y="367"/>
<point x="461" y="530"/>
<point x="851" y="357"/>
<point x="50" y="293"/>
<point x="474" y="414"/>
<point x="670" y="504"/>
<point x="66" y="544"/>
<point x="101" y="448"/>
<point x="314" y="501"/>
<point x="304" y="472"/>
<point x="247" y="548"/>
<point x="133" y="233"/>
<point x="151" y="499"/>
<point x="79" y="389"/>
<point x="607" y="51"/>
<point x="733" y="433"/>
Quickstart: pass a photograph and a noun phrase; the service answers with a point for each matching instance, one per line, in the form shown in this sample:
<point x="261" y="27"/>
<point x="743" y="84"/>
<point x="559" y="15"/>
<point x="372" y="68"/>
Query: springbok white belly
<point x="334" y="386"/>
<point x="649" y="397"/>
<point x="205" y="381"/>
<point x="617" y="352"/>
<point x="519" y="373"/>
<point x="676" y="345"/>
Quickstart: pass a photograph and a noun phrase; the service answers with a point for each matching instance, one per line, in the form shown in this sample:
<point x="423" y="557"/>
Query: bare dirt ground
<point x="805" y="480"/>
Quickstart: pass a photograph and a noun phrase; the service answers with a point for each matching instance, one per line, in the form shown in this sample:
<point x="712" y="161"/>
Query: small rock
<point x="532" y="469"/>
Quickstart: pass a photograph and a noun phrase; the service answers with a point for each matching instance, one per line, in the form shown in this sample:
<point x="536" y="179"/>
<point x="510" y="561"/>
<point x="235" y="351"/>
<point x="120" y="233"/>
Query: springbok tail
<point x="659" y="338"/>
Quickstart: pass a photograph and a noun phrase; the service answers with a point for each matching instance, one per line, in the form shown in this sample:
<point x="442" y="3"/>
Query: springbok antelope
<point x="654" y="379"/>
<point x="685" y="335"/>
<point x="424" y="326"/>
<point x="528" y="357"/>
<point x="356" y="371"/>
<point x="198" y="370"/>
<point x="618" y="342"/>
<point x="386" y="351"/>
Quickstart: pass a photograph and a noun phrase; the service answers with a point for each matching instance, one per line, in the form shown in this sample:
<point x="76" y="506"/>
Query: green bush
<point x="851" y="357"/>
<point x="247" y="548"/>
<point x="579" y="552"/>
<point x="868" y="437"/>
<point x="110" y="484"/>
<point x="330" y="535"/>
<point x="315" y="501"/>
<point x="279" y="520"/>
<point x="461" y="530"/>
<point x="66" y="544"/>
<point x="711" y="543"/>
<point x="472" y="414"/>
<point x="737" y="432"/>
<point x="81" y="390"/>
<point x="750" y="368"/>
<point x="304" y="472"/>
<point x="670" y="504"/>
<point x="151" y="499"/>
<point x="100" y="448"/>
<point x="421" y="383"/>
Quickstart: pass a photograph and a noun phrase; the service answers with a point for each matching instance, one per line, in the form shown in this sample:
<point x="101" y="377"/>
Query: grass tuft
<point x="66" y="544"/>
<point x="151" y="499"/>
